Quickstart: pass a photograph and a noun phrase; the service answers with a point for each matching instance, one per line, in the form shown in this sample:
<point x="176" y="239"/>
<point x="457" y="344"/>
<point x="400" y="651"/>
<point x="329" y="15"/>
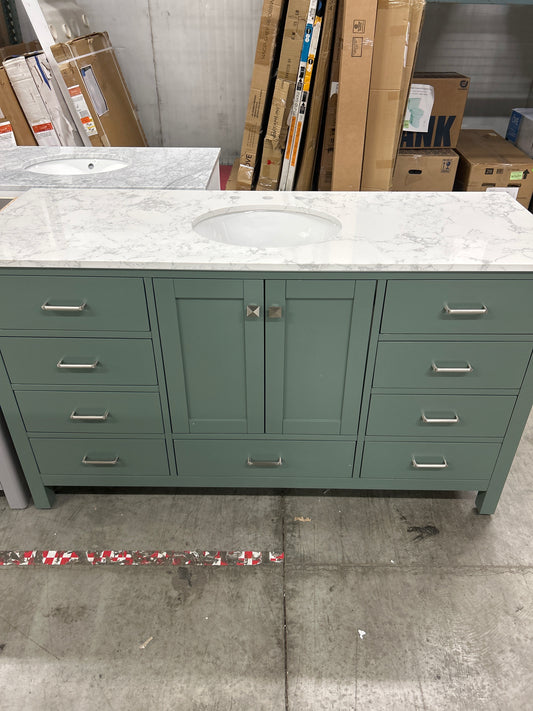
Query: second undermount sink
<point x="267" y="227"/>
<point x="76" y="166"/>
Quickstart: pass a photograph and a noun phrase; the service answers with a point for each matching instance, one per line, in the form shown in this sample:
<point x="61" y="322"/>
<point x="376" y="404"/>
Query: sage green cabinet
<point x="263" y="379"/>
<point x="275" y="357"/>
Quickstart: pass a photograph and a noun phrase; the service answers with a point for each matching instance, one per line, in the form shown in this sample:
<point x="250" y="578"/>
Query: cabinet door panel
<point x="213" y="354"/>
<point x="315" y="352"/>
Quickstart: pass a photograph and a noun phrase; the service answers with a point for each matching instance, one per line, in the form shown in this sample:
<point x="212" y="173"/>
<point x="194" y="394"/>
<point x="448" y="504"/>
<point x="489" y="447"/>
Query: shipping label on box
<point x="82" y="110"/>
<point x="450" y="94"/>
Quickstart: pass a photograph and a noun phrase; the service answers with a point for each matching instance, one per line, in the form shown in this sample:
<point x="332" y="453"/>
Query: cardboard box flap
<point x="482" y="147"/>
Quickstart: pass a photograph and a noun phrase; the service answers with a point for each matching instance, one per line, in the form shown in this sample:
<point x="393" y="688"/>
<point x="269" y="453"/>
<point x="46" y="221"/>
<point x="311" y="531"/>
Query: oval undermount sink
<point x="76" y="166"/>
<point x="267" y="227"/>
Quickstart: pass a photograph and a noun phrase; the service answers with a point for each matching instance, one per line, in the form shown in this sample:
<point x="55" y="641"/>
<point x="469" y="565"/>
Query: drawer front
<point x="73" y="303"/>
<point x="253" y="458"/>
<point x="458" y="306"/>
<point x="90" y="413"/>
<point x="444" y="415"/>
<point x="96" y="361"/>
<point x="429" y="460"/>
<point x="441" y="365"/>
<point x="88" y="458"/>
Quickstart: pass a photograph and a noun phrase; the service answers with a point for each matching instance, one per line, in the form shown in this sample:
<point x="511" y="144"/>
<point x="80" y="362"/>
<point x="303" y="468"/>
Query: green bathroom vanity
<point x="175" y="361"/>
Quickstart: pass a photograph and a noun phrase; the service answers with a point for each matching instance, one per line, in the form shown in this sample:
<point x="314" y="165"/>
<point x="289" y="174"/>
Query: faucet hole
<point x="90" y="166"/>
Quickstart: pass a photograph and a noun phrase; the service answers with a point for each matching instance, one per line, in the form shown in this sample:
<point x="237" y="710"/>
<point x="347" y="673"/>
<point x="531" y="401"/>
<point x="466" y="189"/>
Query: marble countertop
<point x="153" y="229"/>
<point x="158" y="168"/>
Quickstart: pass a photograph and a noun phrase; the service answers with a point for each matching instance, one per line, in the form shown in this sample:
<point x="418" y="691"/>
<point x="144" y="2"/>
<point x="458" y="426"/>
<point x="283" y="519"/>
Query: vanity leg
<point x="486" y="501"/>
<point x="43" y="497"/>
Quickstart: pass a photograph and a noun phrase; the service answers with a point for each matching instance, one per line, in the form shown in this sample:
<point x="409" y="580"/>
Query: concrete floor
<point x="384" y="602"/>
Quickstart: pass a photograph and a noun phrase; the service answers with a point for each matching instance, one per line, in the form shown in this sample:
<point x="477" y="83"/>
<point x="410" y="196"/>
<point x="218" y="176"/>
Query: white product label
<point x="7" y="137"/>
<point x="83" y="110"/>
<point x="513" y="192"/>
<point x="94" y="91"/>
<point x="334" y="89"/>
<point x="45" y="134"/>
<point x="419" y="106"/>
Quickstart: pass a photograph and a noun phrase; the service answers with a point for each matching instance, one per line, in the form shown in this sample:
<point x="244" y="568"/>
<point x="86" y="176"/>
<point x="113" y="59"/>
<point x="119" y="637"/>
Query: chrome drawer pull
<point x="89" y="418"/>
<point x="275" y="312"/>
<point x="77" y="366"/>
<point x="99" y="462"/>
<point x="50" y="307"/>
<point x="251" y="463"/>
<point x="465" y="312"/>
<point x="445" y="369"/>
<point x="440" y="420"/>
<point x="421" y="465"/>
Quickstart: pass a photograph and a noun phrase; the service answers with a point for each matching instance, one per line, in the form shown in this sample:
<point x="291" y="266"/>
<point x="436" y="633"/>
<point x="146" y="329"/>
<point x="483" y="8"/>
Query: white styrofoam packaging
<point x="31" y="102"/>
<point x="42" y="76"/>
<point x="520" y="130"/>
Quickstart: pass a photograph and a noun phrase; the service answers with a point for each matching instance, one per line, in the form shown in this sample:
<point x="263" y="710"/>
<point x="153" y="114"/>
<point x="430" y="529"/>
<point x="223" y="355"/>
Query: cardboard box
<point x="31" y="102"/>
<point x="325" y="169"/>
<point x="451" y="92"/>
<point x="520" y="130"/>
<point x="358" y="25"/>
<point x="42" y="76"/>
<point x="16" y="50"/>
<point x="91" y="64"/>
<point x="260" y="92"/>
<point x="393" y="37"/>
<point x="309" y="150"/>
<point x="425" y="171"/>
<point x="18" y="132"/>
<point x="488" y="160"/>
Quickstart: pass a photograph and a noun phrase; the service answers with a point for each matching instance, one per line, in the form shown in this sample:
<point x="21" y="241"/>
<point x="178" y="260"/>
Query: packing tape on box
<point x="84" y="56"/>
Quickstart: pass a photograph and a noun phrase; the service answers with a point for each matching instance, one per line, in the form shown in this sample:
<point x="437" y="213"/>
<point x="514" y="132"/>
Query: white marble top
<point x="158" y="168"/>
<point x="152" y="229"/>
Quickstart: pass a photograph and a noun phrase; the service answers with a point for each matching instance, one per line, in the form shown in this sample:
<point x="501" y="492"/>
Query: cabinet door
<point x="316" y="345"/>
<point x="212" y="334"/>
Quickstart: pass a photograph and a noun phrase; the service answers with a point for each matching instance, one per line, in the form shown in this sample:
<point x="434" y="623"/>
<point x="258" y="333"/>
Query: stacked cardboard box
<point x="488" y="161"/>
<point x="397" y="31"/>
<point x="427" y="160"/>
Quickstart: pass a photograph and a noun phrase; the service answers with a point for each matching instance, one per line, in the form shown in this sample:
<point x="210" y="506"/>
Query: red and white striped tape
<point x="112" y="557"/>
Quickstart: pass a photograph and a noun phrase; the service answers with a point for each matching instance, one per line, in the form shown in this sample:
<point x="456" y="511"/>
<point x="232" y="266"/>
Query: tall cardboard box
<point x="309" y="151"/>
<point x="394" y="35"/>
<point x="487" y="160"/>
<point x="260" y="92"/>
<point x="14" y="129"/>
<point x="325" y="166"/>
<point x="31" y="102"/>
<point x="520" y="130"/>
<point x="90" y="63"/>
<point x="359" y="21"/>
<point x="425" y="171"/>
<point x="451" y="92"/>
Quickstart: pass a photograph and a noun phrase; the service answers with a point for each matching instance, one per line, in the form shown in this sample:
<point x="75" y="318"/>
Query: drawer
<point x="429" y="460"/>
<point x="446" y="415"/>
<point x="253" y="458"/>
<point x="86" y="458"/>
<point x="456" y="365"/>
<point x="90" y="413"/>
<point x="464" y="306"/>
<point x="73" y="303"/>
<point x="79" y="361"/>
